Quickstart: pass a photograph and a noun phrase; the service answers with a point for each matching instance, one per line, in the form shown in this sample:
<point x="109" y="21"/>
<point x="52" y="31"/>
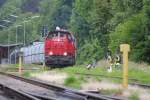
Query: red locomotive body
<point x="60" y="48"/>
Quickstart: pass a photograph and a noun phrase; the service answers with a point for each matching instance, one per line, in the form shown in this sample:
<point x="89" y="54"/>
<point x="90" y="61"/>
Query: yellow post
<point x="20" y="63"/>
<point x="125" y="48"/>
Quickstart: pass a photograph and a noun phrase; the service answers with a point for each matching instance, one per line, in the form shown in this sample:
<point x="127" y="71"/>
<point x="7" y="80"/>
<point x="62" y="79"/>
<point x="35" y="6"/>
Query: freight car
<point x="33" y="54"/>
<point x="58" y="48"/>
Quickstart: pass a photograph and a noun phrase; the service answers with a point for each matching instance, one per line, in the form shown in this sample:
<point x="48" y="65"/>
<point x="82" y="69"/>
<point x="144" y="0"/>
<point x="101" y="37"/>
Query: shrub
<point x="72" y="81"/>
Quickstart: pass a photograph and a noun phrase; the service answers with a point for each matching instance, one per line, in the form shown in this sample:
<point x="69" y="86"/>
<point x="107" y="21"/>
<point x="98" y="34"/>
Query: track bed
<point x="34" y="90"/>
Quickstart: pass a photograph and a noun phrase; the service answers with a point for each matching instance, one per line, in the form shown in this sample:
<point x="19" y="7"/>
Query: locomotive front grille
<point x="58" y="57"/>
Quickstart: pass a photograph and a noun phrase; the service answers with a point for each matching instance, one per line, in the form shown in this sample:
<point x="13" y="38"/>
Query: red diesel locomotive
<point x="60" y="48"/>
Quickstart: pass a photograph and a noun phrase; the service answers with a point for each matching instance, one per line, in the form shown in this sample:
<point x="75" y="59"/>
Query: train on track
<point x="58" y="48"/>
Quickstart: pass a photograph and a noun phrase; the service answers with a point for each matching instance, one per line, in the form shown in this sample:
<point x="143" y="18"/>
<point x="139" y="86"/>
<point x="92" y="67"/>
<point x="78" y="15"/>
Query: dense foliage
<point x="99" y="25"/>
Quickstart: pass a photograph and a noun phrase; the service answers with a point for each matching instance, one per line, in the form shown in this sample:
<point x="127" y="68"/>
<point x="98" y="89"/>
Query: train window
<point x="62" y="35"/>
<point x="50" y="36"/>
<point x="73" y="38"/>
<point x="56" y="35"/>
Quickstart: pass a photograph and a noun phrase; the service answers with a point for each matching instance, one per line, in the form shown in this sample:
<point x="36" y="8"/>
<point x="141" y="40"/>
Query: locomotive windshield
<point x="56" y="35"/>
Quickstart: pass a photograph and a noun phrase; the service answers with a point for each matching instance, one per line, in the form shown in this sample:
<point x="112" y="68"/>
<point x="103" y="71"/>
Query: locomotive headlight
<point x="65" y="53"/>
<point x="50" y="53"/>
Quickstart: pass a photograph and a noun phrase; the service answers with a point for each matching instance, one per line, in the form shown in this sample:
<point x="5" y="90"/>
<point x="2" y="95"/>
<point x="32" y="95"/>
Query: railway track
<point x="9" y="93"/>
<point x="135" y="82"/>
<point x="140" y="85"/>
<point x="51" y="91"/>
<point x="117" y="77"/>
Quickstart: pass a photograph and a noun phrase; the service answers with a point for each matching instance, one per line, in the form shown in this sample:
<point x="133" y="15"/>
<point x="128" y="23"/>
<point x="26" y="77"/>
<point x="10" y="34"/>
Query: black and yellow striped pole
<point x="125" y="48"/>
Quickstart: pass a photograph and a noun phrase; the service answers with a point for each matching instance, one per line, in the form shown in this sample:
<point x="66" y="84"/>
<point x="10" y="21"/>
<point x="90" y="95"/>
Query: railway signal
<point x="44" y="31"/>
<point x="125" y="48"/>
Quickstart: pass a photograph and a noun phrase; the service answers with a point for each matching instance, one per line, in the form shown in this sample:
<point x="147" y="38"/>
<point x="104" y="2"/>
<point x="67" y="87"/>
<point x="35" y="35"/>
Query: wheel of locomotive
<point x="49" y="66"/>
<point x="46" y="64"/>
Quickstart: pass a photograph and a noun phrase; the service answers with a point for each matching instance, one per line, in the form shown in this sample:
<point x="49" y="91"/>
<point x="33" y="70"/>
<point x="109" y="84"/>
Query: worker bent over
<point x="110" y="62"/>
<point x="117" y="61"/>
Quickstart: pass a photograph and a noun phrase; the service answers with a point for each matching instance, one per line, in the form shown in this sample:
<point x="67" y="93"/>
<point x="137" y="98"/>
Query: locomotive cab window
<point x="56" y="35"/>
<point x="70" y="38"/>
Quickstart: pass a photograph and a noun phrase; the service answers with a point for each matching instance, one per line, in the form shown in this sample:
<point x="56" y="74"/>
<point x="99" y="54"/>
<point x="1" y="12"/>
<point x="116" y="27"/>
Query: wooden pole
<point x="125" y="48"/>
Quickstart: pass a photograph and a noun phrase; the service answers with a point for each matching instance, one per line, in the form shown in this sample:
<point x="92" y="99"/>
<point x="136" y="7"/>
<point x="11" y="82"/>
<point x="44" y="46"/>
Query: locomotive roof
<point x="59" y="31"/>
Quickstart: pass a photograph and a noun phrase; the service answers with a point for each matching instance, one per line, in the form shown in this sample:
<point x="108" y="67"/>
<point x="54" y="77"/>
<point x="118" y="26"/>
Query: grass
<point x="81" y="69"/>
<point x="137" y="71"/>
<point x="111" y="91"/>
<point x="134" y="97"/>
<point x="134" y="72"/>
<point x="27" y="71"/>
<point x="26" y="74"/>
<point x="72" y="81"/>
<point x="26" y="66"/>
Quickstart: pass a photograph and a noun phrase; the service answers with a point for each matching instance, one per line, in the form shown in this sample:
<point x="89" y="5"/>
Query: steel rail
<point x="140" y="85"/>
<point x="63" y="90"/>
<point x="17" y="94"/>
<point x="117" y="77"/>
<point x="16" y="69"/>
<point x="41" y="96"/>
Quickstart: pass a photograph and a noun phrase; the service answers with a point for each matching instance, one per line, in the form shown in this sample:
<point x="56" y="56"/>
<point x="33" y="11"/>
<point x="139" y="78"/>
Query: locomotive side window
<point x="73" y="38"/>
<point x="70" y="38"/>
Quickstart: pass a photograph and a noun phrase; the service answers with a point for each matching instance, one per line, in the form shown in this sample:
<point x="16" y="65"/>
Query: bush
<point x="134" y="97"/>
<point x="91" y="50"/>
<point x="72" y="81"/>
<point x="131" y="32"/>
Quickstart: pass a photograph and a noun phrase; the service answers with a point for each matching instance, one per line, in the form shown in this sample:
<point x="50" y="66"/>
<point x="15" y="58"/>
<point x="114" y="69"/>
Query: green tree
<point x="100" y="15"/>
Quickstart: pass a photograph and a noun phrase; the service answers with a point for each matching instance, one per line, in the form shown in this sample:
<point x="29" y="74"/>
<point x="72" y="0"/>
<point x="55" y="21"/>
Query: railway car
<point x="60" y="48"/>
<point x="33" y="54"/>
